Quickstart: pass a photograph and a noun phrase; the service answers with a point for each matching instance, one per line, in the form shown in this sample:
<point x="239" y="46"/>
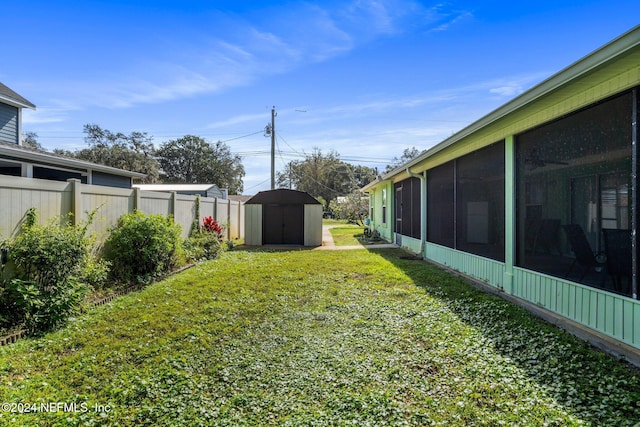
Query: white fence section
<point x="54" y="200"/>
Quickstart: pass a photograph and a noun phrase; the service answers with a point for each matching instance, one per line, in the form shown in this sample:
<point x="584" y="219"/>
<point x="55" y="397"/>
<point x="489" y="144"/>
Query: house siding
<point x="8" y="124"/>
<point x="603" y="312"/>
<point x="104" y="179"/>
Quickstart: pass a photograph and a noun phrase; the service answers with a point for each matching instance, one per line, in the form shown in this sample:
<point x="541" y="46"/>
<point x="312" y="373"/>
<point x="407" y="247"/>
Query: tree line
<point x="193" y="160"/>
<point x="187" y="160"/>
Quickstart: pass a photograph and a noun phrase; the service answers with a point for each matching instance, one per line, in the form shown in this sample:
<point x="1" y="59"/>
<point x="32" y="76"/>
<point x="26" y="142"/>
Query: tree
<point x="133" y="152"/>
<point x="192" y="160"/>
<point x="30" y="140"/>
<point x="407" y="154"/>
<point x="363" y="175"/>
<point x="324" y="176"/>
<point x="353" y="207"/>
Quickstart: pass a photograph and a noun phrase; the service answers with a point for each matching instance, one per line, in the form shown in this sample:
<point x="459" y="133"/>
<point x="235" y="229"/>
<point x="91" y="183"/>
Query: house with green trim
<point x="538" y="200"/>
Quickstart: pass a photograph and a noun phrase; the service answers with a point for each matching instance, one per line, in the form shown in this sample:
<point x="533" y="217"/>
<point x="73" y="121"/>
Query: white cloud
<point x="241" y="119"/>
<point x="514" y="85"/>
<point x="44" y="115"/>
<point x="292" y="37"/>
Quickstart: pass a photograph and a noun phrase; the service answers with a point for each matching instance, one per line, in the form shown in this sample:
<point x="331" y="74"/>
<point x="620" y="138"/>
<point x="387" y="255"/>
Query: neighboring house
<point x="204" y="190"/>
<point x="539" y="198"/>
<point x="16" y="160"/>
<point x="11" y="105"/>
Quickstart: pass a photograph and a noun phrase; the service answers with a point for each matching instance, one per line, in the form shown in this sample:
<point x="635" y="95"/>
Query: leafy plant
<point x="142" y="248"/>
<point x="211" y="225"/>
<point x="95" y="272"/>
<point x="205" y="242"/>
<point x="48" y="260"/>
<point x="195" y="225"/>
<point x="203" y="246"/>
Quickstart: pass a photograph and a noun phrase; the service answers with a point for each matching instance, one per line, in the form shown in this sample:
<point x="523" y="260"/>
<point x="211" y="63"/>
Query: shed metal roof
<point x="282" y="196"/>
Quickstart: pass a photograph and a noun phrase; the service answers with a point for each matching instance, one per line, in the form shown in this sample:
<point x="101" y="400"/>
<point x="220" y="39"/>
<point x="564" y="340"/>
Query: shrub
<point x="211" y="225"/>
<point x="205" y="242"/>
<point x="203" y="246"/>
<point x="95" y="272"/>
<point x="142" y="248"/>
<point x="44" y="289"/>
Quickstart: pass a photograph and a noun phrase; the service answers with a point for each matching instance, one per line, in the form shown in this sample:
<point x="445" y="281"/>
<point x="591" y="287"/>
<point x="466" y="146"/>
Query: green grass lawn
<point x="346" y="234"/>
<point x="314" y="338"/>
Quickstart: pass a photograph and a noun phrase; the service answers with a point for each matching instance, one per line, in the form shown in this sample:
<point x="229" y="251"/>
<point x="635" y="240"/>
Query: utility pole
<point x="270" y="129"/>
<point x="273" y="148"/>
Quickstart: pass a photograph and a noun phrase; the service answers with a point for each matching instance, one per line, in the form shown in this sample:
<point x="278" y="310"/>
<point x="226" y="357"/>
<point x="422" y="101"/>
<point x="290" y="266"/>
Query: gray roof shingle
<point x="7" y="94"/>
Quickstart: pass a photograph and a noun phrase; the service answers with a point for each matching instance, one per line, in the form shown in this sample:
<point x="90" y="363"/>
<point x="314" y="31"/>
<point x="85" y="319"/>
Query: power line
<point x="243" y="136"/>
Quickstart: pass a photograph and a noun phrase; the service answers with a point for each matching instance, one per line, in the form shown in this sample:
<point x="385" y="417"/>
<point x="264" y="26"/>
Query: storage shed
<point x="283" y="217"/>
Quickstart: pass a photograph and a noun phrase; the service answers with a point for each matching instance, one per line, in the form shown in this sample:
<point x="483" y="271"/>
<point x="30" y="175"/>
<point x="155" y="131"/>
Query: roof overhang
<point x="10" y="97"/>
<point x="38" y="157"/>
<point x="176" y="187"/>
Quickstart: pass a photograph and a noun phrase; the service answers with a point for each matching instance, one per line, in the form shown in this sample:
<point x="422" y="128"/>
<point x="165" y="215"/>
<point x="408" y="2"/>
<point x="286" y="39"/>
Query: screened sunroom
<point x="574" y="182"/>
<point x="539" y="198"/>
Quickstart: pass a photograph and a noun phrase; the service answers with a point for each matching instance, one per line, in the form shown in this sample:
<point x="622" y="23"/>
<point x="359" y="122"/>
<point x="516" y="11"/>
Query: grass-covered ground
<point x="314" y="338"/>
<point x="346" y="234"/>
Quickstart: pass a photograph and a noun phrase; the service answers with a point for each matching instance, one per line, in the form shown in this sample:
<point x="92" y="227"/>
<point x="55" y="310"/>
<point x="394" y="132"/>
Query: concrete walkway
<point x="328" y="243"/>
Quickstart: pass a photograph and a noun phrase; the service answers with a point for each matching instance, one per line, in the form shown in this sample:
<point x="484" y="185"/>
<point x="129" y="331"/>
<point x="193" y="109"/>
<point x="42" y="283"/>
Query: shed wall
<point x="253" y="225"/>
<point x="312" y="225"/>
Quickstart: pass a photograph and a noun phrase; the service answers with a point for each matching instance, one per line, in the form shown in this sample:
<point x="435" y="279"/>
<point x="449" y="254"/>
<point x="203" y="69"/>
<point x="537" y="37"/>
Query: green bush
<point x="44" y="288"/>
<point x="203" y="245"/>
<point x="142" y="248"/>
<point x="95" y="272"/>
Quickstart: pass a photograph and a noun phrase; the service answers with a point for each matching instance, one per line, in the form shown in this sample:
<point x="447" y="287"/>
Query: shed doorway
<point x="283" y="224"/>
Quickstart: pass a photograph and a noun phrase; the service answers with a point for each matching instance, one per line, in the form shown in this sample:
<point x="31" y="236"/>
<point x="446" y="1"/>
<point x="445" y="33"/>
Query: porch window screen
<point x="441" y="205"/>
<point x="408" y="207"/>
<point x="465" y="203"/>
<point x="573" y="191"/>
<point x="480" y="202"/>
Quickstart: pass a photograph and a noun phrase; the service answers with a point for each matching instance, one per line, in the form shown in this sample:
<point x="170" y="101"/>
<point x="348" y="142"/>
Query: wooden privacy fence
<point x="55" y="199"/>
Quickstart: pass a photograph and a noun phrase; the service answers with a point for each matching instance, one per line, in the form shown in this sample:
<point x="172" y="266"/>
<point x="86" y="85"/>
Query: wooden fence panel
<point x="153" y="202"/>
<point x="222" y="215"/>
<point x="234" y="219"/>
<point x="207" y="208"/>
<point x="55" y="199"/>
<point x="109" y="203"/>
<point x="184" y="212"/>
<point x="52" y="199"/>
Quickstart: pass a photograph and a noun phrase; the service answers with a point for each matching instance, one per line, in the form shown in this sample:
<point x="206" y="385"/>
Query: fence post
<point x="136" y="199"/>
<point x="174" y="203"/>
<point x="239" y="220"/>
<point x="76" y="201"/>
<point x="228" y="219"/>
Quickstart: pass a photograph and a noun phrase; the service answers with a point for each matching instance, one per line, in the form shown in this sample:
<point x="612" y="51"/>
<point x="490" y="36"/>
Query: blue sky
<point x="364" y="78"/>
